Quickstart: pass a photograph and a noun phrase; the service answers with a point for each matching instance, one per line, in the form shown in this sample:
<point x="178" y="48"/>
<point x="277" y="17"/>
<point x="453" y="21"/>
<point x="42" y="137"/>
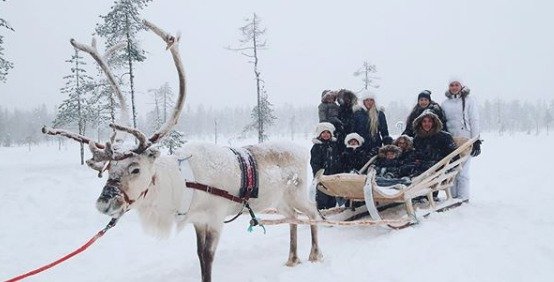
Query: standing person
<point x="424" y="102"/>
<point x="348" y="104"/>
<point x="462" y="119"/>
<point x="329" y="110"/>
<point x="325" y="155"/>
<point x="371" y="123"/>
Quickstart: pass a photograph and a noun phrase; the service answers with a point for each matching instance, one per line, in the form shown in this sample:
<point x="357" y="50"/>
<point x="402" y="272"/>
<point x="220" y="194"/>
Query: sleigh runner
<point x="363" y="188"/>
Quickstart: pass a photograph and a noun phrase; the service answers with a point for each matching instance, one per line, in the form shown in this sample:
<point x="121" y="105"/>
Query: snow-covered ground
<point x="47" y="209"/>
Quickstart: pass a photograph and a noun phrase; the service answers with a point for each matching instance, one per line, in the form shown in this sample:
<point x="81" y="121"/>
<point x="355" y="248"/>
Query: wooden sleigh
<point x="363" y="188"/>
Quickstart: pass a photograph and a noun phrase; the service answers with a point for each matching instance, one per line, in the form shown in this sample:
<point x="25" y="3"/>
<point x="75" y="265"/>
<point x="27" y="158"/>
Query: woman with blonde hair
<point x="370" y="122"/>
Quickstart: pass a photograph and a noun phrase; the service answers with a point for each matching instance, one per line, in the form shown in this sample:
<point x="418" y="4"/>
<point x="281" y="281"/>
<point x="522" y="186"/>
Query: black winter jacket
<point x="353" y="159"/>
<point x="325" y="155"/>
<point x="433" y="145"/>
<point x="361" y="126"/>
<point x="431" y="149"/>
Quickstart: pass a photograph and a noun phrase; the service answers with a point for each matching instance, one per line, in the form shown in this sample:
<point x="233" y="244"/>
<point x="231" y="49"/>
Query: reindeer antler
<point x="103" y="153"/>
<point x="71" y="135"/>
<point x="172" y="44"/>
<point x="93" y="52"/>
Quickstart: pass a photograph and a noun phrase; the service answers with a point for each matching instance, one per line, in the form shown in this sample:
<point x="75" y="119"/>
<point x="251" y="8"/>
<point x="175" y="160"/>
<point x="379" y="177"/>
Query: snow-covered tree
<point x="163" y="103"/>
<point x="366" y="72"/>
<point x="5" y="64"/>
<point x="174" y="140"/>
<point x="102" y="103"/>
<point x="123" y="23"/>
<point x="250" y="44"/>
<point x="262" y="115"/>
<point x="75" y="109"/>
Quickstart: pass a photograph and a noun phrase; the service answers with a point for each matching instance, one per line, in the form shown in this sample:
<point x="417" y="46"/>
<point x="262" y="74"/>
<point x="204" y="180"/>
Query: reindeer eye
<point x="135" y="171"/>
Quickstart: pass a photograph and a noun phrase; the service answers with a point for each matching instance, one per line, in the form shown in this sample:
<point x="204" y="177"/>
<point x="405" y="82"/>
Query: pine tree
<point x="262" y="115"/>
<point x="174" y="140"/>
<point x="163" y="103"/>
<point x="74" y="109"/>
<point x="5" y="65"/>
<point x="123" y="23"/>
<point x="102" y="103"/>
<point x="251" y="43"/>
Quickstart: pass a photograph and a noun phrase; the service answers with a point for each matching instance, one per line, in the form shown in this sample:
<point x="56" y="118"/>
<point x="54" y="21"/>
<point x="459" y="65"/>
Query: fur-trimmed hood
<point x="355" y="136"/>
<point x="347" y="98"/>
<point x="406" y="139"/>
<point x="437" y="124"/>
<point x="389" y="148"/>
<point x="463" y="93"/>
<point x="324" y="126"/>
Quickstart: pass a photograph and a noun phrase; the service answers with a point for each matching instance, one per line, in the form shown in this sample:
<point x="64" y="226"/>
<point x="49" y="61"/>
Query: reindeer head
<point x="130" y="171"/>
<point x="128" y="181"/>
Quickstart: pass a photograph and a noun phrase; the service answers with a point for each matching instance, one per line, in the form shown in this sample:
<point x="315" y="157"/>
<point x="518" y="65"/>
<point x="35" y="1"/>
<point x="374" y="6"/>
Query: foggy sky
<point x="499" y="48"/>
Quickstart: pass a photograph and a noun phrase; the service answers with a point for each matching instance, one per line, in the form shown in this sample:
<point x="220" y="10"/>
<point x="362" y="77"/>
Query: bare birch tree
<point x="366" y="72"/>
<point x="251" y="43"/>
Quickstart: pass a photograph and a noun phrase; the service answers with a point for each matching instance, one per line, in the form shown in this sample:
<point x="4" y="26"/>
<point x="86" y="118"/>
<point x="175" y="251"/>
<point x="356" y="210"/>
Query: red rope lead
<point x="68" y="256"/>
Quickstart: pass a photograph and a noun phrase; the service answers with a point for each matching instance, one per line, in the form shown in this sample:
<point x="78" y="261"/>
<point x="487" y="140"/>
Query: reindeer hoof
<point x="292" y="262"/>
<point x="316" y="257"/>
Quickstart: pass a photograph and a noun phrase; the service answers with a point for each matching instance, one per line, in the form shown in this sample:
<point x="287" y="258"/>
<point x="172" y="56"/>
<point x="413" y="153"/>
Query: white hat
<point x="324" y="126"/>
<point x="366" y="94"/>
<point x="353" y="136"/>
<point x="455" y="79"/>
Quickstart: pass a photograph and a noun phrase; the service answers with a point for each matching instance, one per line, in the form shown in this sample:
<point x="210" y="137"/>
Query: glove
<point x="476" y="150"/>
<point x="387" y="140"/>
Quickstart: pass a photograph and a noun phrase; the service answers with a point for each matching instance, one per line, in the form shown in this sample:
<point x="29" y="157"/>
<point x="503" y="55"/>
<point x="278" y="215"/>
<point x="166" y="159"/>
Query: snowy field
<point x="47" y="209"/>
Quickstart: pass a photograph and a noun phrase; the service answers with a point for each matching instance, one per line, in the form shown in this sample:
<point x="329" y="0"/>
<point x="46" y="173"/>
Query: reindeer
<point x="139" y="178"/>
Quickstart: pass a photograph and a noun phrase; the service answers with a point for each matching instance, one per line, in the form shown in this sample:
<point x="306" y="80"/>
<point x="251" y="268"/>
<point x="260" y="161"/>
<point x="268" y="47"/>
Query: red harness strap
<point x="100" y="233"/>
<point x="214" y="191"/>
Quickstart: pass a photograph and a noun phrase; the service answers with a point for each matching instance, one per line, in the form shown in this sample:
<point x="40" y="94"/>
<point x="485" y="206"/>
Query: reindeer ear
<point x="153" y="153"/>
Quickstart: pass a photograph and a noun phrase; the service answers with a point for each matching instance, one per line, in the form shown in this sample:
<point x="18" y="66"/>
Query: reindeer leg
<point x="200" y="246"/>
<point x="293" y="255"/>
<point x="315" y="254"/>
<point x="303" y="205"/>
<point x="207" y="238"/>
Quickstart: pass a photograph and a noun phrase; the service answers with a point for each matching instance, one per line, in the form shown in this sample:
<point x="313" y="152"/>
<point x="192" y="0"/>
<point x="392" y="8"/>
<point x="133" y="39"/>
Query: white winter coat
<point x="455" y="122"/>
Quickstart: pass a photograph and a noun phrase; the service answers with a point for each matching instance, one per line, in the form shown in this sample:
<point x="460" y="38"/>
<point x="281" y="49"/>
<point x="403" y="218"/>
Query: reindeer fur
<point x="282" y="183"/>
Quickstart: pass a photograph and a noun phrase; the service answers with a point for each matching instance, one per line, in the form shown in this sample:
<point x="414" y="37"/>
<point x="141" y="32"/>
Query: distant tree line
<point x="226" y="125"/>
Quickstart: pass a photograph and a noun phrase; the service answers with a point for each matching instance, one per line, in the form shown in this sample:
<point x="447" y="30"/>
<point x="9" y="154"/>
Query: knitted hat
<point x="424" y="94"/>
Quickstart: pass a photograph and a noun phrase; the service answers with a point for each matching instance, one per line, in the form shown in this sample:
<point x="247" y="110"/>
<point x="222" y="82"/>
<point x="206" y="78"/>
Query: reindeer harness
<point x="249" y="185"/>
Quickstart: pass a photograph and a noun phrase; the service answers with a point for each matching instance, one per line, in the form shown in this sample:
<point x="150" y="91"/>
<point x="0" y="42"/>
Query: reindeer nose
<point x="109" y="192"/>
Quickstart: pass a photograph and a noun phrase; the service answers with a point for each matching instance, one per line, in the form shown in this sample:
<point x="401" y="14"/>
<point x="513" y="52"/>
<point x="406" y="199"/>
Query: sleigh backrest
<point x="441" y="175"/>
